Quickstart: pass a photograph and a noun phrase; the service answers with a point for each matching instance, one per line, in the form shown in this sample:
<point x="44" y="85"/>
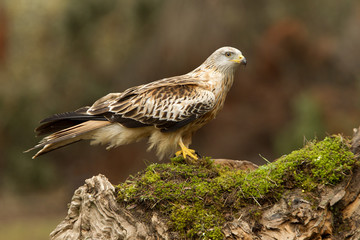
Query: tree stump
<point x="95" y="213"/>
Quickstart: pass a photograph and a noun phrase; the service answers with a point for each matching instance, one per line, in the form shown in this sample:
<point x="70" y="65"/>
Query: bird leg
<point x="186" y="151"/>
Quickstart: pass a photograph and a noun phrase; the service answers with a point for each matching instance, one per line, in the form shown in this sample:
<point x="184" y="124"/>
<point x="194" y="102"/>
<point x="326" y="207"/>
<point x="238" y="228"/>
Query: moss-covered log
<point x="311" y="193"/>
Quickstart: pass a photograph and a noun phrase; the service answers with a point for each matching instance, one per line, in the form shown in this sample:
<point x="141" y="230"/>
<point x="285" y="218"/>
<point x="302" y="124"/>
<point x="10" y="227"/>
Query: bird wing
<point x="168" y="104"/>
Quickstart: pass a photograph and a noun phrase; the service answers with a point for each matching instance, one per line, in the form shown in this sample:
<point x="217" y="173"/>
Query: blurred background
<point x="302" y="81"/>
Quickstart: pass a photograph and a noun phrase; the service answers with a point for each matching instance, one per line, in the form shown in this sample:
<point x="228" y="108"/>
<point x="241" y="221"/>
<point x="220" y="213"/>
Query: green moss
<point x="196" y="220"/>
<point x="325" y="162"/>
<point x="196" y="196"/>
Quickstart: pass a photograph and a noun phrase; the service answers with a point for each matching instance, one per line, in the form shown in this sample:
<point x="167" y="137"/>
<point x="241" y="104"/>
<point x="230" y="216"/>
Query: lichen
<point x="196" y="197"/>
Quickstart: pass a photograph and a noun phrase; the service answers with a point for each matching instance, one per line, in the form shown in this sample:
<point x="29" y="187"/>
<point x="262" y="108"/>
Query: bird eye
<point x="228" y="54"/>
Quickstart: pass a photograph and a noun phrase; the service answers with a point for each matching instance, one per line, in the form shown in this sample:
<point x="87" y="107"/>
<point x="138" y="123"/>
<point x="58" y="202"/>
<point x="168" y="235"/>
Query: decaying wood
<point x="94" y="214"/>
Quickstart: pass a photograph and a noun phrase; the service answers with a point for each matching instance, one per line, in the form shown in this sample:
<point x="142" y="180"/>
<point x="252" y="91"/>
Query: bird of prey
<point x="167" y="111"/>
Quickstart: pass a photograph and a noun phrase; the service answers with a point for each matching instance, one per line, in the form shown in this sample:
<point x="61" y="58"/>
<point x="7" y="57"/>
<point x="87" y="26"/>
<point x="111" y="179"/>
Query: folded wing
<point x="166" y="107"/>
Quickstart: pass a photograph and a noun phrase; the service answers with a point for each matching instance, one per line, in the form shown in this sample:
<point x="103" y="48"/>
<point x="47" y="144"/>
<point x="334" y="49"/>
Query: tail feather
<point x="61" y="121"/>
<point x="67" y="136"/>
<point x="52" y="127"/>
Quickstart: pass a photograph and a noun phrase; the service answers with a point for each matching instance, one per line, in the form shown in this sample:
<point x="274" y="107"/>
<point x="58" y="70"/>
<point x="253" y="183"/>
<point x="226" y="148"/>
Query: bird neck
<point x="217" y="77"/>
<point x="228" y="81"/>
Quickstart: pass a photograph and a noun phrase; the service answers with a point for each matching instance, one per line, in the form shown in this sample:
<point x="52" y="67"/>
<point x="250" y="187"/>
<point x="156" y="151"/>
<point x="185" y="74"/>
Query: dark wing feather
<point x="172" y="126"/>
<point x="61" y="121"/>
<point x="77" y="114"/>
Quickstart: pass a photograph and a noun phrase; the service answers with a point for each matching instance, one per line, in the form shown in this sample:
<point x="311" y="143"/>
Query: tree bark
<point x="95" y="214"/>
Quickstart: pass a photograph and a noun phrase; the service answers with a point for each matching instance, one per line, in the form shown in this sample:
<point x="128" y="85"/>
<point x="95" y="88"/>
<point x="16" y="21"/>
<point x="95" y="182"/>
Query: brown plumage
<point x="167" y="111"/>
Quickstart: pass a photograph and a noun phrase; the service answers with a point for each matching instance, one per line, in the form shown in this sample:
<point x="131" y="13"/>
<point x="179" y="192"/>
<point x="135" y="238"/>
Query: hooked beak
<point x="241" y="60"/>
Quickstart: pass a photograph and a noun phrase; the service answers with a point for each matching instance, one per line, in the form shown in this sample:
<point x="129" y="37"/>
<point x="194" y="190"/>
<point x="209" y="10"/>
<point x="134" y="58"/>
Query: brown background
<point x="302" y="81"/>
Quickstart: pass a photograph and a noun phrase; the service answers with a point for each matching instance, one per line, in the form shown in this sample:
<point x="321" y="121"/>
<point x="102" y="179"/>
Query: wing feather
<point x="168" y="105"/>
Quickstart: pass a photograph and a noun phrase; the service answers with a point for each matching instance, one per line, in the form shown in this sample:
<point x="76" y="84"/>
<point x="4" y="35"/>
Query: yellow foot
<point x="186" y="151"/>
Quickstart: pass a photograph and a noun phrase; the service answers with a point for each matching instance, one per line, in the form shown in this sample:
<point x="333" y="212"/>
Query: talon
<point x="178" y="153"/>
<point x="186" y="151"/>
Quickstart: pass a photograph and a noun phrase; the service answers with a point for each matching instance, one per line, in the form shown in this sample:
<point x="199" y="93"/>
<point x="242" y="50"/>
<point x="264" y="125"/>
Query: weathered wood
<point x="94" y="214"/>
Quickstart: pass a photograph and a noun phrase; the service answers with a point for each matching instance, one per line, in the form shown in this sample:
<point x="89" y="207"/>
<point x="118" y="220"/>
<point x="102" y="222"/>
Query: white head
<point x="225" y="59"/>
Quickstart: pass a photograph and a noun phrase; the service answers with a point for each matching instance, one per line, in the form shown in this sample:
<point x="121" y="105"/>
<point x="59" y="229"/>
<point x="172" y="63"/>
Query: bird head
<point x="226" y="58"/>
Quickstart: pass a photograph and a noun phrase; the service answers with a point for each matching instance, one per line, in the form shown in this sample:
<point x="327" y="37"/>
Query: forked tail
<point x="66" y="128"/>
